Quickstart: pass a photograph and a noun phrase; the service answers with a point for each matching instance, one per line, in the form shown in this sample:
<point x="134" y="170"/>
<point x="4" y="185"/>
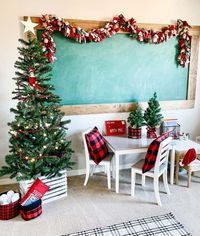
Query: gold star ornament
<point x="29" y="25"/>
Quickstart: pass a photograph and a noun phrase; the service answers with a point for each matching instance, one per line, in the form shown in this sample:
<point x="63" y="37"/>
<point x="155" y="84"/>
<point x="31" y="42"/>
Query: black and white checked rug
<point x="165" y="225"/>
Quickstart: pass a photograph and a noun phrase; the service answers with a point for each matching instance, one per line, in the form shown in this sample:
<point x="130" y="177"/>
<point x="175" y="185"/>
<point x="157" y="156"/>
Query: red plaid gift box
<point x="134" y="133"/>
<point x="151" y="133"/>
<point x="32" y="210"/>
<point x="9" y="211"/>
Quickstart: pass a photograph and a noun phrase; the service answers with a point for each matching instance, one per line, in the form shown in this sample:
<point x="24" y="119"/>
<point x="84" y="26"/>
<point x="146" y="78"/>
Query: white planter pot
<point x="57" y="187"/>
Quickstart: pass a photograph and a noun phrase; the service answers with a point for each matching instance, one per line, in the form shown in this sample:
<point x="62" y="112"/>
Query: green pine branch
<point x="152" y="114"/>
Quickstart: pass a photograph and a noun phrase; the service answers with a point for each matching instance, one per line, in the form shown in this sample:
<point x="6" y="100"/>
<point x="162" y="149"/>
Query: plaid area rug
<point x="165" y="225"/>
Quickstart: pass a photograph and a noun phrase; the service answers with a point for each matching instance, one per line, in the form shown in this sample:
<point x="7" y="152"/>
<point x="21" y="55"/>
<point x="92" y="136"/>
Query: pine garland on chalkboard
<point x="179" y="30"/>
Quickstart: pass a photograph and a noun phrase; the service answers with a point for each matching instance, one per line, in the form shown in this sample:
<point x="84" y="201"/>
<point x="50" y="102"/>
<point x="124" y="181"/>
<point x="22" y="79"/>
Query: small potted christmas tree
<point x="136" y="121"/>
<point x="152" y="116"/>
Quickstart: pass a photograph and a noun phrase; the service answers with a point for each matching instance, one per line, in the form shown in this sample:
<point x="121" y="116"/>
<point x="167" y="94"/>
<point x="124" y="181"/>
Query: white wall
<point x="144" y="11"/>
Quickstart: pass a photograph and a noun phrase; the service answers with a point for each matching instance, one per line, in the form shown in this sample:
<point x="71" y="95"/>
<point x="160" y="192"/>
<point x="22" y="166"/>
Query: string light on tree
<point x="13" y="132"/>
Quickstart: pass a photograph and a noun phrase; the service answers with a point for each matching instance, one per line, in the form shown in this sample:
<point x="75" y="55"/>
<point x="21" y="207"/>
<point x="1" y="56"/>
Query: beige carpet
<point x="95" y="206"/>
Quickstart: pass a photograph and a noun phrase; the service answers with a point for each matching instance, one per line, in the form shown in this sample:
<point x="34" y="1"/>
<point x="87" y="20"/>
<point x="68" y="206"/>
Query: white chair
<point x="159" y="169"/>
<point x="106" y="163"/>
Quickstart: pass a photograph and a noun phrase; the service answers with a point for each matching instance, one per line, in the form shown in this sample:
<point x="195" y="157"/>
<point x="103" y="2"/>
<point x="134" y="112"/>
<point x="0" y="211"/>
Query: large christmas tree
<point x="38" y="144"/>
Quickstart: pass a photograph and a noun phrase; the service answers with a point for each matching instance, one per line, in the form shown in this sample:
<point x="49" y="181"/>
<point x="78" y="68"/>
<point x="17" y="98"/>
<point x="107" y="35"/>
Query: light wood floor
<point x="95" y="206"/>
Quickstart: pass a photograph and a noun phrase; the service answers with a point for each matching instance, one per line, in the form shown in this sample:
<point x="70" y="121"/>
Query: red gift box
<point x="115" y="127"/>
<point x="36" y="191"/>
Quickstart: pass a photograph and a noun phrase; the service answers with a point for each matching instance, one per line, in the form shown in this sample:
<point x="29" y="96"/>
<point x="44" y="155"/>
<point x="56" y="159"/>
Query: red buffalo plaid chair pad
<point x="96" y="145"/>
<point x="9" y="211"/>
<point x="150" y="157"/>
<point x="31" y="211"/>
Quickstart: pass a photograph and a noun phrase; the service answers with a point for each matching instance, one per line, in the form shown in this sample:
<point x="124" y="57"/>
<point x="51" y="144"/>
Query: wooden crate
<point x="57" y="187"/>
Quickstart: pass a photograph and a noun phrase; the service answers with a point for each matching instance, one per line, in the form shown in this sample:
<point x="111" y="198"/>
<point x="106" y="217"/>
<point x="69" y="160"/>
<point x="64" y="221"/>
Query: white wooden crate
<point x="57" y="187"/>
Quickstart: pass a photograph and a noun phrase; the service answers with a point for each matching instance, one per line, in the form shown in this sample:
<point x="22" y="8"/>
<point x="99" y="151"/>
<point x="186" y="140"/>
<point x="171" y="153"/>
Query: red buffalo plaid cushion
<point x="9" y="211"/>
<point x="152" y="152"/>
<point x="96" y="145"/>
<point x="31" y="211"/>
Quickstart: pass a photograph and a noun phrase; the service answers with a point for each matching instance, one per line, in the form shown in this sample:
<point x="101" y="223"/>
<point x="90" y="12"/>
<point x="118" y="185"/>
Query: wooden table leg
<point x="177" y="169"/>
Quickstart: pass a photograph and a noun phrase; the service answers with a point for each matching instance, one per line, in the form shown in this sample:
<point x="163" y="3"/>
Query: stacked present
<point x="170" y="125"/>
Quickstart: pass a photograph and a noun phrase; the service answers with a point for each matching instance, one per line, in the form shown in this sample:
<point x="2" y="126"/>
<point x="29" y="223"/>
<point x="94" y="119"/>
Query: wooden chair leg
<point x="156" y="190"/>
<point x="193" y="173"/>
<point x="133" y="177"/>
<point x="87" y="174"/>
<point x="108" y="176"/>
<point x="166" y="182"/>
<point x="189" y="178"/>
<point x="143" y="180"/>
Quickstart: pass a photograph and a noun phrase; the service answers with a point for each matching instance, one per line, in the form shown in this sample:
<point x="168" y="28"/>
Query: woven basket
<point x="32" y="210"/>
<point x="9" y="211"/>
<point x="134" y="133"/>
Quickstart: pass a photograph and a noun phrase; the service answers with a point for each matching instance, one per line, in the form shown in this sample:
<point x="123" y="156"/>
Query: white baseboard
<point x="7" y="180"/>
<point x="76" y="172"/>
<point x="83" y="171"/>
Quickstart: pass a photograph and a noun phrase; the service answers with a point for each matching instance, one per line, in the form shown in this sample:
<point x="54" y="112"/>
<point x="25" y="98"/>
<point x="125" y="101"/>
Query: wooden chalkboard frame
<point x="127" y="107"/>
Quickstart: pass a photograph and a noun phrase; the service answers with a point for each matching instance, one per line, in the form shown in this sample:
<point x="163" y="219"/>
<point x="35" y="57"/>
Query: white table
<point x="123" y="146"/>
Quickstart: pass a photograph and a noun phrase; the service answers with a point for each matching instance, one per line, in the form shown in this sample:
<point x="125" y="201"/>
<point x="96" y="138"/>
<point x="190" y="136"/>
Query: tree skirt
<point x="156" y="225"/>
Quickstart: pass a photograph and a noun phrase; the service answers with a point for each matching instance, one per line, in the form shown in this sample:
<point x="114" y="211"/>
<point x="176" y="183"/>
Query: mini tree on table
<point x="38" y="144"/>
<point x="152" y="116"/>
<point x="136" y="121"/>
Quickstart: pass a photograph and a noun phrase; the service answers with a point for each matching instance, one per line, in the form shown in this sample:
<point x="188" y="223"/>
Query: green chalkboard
<point x="117" y="70"/>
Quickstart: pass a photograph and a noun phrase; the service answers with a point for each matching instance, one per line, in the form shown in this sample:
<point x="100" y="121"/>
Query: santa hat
<point x="189" y="157"/>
